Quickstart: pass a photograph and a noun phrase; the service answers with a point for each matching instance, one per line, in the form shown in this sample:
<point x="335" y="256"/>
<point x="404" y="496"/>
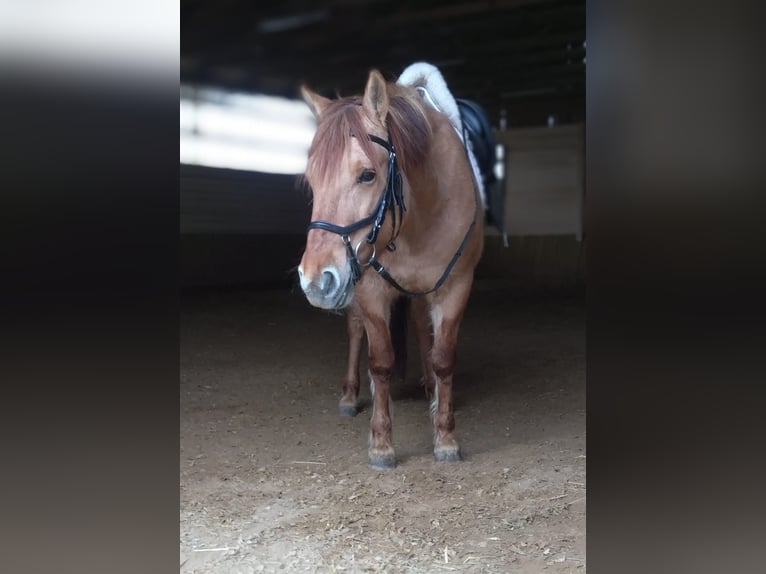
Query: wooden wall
<point x="545" y="180"/>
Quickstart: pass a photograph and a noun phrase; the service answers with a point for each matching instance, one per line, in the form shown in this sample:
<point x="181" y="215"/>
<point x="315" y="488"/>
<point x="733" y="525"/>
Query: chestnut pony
<point x="396" y="213"/>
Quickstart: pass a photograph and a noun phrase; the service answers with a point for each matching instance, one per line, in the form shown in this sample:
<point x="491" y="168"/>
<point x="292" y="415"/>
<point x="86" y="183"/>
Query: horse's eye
<point x="366" y="176"/>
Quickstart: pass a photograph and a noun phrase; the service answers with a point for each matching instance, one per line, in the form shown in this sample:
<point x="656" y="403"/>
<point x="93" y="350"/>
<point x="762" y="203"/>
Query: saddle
<point x="479" y="131"/>
<point x="470" y="118"/>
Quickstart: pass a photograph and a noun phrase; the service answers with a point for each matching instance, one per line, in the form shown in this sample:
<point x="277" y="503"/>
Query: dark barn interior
<point x="525" y="56"/>
<point x="272" y="479"/>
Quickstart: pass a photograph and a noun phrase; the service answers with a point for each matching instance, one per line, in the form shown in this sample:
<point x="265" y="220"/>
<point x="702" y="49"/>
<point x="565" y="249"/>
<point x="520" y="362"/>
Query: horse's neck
<point x="431" y="201"/>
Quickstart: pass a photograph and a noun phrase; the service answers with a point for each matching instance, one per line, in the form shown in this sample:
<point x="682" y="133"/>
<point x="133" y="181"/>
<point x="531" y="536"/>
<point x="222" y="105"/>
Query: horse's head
<point x="347" y="173"/>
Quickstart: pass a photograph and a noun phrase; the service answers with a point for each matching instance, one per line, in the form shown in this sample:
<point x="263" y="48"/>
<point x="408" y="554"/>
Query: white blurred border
<point x="138" y="37"/>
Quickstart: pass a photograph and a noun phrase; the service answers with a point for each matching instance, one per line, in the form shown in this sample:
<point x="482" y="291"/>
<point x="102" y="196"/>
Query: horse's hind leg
<point x="446" y="315"/>
<point x="422" y="322"/>
<point x="349" y="402"/>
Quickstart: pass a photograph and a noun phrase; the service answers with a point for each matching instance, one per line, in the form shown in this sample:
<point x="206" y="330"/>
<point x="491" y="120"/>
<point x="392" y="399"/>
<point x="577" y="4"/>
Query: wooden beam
<point x="457" y="10"/>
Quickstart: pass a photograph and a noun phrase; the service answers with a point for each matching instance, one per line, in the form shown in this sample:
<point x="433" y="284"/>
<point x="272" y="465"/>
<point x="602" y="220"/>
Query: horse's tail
<point x="398" y="328"/>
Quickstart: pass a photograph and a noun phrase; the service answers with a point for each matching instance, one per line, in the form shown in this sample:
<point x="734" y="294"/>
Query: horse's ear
<point x="376" y="97"/>
<point x="315" y="102"/>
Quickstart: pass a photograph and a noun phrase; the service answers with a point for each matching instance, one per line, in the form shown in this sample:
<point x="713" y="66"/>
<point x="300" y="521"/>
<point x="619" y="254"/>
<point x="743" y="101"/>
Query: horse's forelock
<point x="343" y="119"/>
<point x="340" y="121"/>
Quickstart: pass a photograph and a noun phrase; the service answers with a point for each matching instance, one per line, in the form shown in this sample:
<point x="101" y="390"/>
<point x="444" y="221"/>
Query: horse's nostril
<point x="329" y="282"/>
<point x="325" y="286"/>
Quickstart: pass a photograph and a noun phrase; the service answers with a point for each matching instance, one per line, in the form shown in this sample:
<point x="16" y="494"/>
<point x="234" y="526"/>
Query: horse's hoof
<point x="382" y="460"/>
<point x="447" y="454"/>
<point x="348" y="409"/>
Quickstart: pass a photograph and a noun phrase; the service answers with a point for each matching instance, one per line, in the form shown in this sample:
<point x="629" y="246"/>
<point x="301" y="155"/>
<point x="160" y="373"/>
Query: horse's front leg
<point x="381" y="360"/>
<point x="349" y="402"/>
<point x="446" y="314"/>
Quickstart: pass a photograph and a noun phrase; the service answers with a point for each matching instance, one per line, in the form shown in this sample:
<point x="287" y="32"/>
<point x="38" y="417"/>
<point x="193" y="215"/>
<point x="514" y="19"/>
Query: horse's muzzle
<point x="329" y="289"/>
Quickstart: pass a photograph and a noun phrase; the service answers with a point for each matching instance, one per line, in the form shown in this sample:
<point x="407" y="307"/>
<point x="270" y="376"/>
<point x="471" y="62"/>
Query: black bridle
<point x="392" y="199"/>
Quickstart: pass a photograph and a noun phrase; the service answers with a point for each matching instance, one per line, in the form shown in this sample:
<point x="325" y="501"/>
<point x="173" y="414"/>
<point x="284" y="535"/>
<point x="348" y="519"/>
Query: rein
<point x="391" y="199"/>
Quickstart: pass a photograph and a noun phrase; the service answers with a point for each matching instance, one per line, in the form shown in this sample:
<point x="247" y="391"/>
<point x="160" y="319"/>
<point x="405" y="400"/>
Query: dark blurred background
<point x="524" y="56"/>
<point x="243" y="216"/>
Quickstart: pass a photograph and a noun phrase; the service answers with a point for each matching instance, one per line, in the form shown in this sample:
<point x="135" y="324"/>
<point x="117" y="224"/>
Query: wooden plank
<point x="544" y="180"/>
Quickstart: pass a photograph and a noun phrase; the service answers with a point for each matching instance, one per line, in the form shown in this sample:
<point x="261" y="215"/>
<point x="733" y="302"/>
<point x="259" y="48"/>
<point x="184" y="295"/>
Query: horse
<point x="390" y="154"/>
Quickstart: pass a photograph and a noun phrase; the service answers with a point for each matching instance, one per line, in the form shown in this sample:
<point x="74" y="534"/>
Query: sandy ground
<point x="273" y="480"/>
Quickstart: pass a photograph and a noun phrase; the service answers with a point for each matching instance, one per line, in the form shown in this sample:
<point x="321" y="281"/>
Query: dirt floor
<point x="273" y="480"/>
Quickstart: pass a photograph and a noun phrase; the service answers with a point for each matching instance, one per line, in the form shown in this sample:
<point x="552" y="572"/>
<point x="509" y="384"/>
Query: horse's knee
<point x="443" y="361"/>
<point x="381" y="363"/>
